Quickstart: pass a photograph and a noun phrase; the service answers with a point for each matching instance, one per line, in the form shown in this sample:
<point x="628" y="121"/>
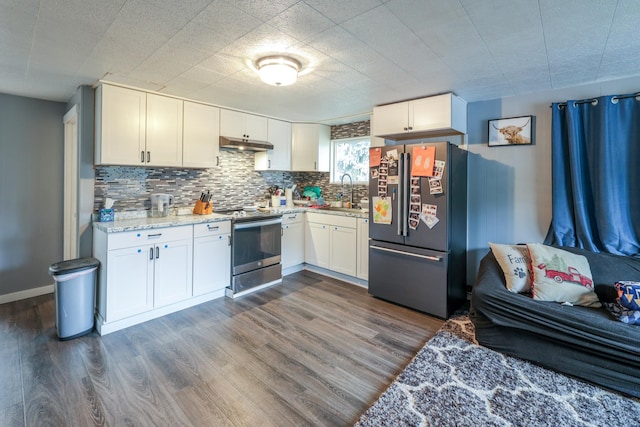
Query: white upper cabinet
<point x="310" y="147"/>
<point x="436" y="114"/>
<point x="279" y="159"/>
<point x="120" y="126"/>
<point x="164" y="131"/>
<point x="243" y="125"/>
<point x="200" y="136"/>
<point x="137" y="128"/>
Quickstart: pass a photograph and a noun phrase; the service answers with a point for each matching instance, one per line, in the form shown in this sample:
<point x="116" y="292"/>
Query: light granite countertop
<point x="145" y="222"/>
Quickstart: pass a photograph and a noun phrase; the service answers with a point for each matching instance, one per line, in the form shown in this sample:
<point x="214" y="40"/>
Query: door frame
<point x="70" y="244"/>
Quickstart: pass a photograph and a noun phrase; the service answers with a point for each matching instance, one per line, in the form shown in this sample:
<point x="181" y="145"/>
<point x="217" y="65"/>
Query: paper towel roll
<point x="288" y="194"/>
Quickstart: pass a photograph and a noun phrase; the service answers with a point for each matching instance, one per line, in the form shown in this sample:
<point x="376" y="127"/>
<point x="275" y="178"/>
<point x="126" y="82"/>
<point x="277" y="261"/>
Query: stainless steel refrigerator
<point x="425" y="268"/>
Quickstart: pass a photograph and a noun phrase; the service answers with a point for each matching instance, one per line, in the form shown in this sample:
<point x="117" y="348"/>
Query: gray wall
<point x="509" y="189"/>
<point x="84" y="100"/>
<point x="31" y="185"/>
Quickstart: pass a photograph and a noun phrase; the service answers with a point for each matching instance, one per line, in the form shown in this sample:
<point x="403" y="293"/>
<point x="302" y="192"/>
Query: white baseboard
<point x="29" y="293"/>
<point x="344" y="277"/>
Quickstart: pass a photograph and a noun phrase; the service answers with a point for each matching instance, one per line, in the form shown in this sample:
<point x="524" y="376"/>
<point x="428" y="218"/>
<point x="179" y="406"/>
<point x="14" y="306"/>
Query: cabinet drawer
<point x="211" y="228"/>
<point x="335" y="220"/>
<point x="291" y="218"/>
<point x="144" y="237"/>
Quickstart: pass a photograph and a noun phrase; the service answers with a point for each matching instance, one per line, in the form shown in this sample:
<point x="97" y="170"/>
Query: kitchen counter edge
<point x="147" y="223"/>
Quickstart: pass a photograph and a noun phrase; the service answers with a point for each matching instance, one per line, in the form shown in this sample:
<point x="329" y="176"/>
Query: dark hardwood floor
<point x="312" y="351"/>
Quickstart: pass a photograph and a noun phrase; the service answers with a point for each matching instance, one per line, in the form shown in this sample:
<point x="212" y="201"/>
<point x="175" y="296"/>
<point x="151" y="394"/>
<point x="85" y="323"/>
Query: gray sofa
<point x="586" y="343"/>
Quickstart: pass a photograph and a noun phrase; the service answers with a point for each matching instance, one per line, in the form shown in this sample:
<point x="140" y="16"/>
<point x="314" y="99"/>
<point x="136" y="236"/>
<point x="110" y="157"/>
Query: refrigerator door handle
<point x="405" y="193"/>
<point x="430" y="258"/>
<point x="401" y="190"/>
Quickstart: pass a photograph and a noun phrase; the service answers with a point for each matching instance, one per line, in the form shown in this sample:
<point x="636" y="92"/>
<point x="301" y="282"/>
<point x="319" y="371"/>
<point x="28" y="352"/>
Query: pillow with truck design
<point x="561" y="276"/>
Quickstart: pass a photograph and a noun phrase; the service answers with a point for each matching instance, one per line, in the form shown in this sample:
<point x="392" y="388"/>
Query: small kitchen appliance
<point x="160" y="204"/>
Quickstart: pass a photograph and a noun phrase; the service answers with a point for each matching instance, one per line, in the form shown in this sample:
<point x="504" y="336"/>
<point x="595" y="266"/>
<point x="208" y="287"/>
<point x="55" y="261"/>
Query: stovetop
<point x="241" y="215"/>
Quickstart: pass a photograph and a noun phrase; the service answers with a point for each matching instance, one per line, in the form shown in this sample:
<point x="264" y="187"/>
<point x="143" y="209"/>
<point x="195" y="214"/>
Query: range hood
<point x="232" y="142"/>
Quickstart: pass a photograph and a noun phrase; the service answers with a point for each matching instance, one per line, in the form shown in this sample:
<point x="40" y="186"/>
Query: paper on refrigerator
<point x="382" y="210"/>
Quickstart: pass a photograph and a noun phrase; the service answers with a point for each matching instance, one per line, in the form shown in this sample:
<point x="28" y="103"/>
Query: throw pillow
<point x="514" y="261"/>
<point x="628" y="294"/>
<point x="561" y="276"/>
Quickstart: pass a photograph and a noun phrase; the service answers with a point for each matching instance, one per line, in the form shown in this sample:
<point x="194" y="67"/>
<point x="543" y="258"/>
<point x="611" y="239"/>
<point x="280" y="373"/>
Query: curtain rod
<point x="594" y="101"/>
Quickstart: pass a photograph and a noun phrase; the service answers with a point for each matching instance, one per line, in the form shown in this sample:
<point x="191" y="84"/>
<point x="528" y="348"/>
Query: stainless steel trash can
<point x="74" y="294"/>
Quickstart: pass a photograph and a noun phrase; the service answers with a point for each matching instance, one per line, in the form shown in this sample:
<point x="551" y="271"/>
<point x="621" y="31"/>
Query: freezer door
<point x="436" y="238"/>
<point x="387" y="232"/>
<point x="415" y="278"/>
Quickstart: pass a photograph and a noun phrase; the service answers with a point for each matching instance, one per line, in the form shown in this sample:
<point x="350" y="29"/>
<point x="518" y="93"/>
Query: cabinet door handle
<point x="281" y="231"/>
<point x="406" y="129"/>
<point x="315" y="165"/>
<point x="157" y="252"/>
<point x="149" y="236"/>
<point x="410" y="127"/>
<point x="268" y="164"/>
<point x="217" y="160"/>
<point x="148" y="156"/>
<point x="142" y="157"/>
<point x="229" y="237"/>
<point x="151" y="254"/>
<point x="213" y="228"/>
<point x="293" y="217"/>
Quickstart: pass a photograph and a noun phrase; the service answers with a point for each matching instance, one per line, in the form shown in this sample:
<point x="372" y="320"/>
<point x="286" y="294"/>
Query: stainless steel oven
<point x="255" y="253"/>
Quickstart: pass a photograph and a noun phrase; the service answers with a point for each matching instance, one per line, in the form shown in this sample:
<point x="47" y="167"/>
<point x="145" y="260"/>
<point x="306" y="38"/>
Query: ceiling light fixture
<point x="278" y="70"/>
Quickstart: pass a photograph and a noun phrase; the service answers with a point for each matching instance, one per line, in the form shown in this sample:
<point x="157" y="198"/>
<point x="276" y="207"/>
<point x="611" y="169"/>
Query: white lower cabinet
<point x="144" y="270"/>
<point x="363" y="249"/>
<point x="331" y="242"/>
<point x="211" y="257"/>
<point x="130" y="275"/>
<point x="292" y="239"/>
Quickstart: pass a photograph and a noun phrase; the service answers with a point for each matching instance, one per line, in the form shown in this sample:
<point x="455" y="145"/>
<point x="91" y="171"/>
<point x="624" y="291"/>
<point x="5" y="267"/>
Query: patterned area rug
<point x="453" y="381"/>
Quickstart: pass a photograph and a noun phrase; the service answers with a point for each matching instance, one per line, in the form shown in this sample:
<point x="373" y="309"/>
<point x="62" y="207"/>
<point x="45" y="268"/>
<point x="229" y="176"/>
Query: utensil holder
<point x="203" y="208"/>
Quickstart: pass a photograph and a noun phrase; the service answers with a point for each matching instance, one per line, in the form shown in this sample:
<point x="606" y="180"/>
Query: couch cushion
<point x="561" y="276"/>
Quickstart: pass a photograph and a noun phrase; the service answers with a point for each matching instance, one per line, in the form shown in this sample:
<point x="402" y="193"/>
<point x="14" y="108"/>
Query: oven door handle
<point x="254" y="224"/>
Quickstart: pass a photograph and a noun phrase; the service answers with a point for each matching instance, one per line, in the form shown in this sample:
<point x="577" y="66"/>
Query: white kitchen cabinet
<point x="201" y="135"/>
<point x="164" y="131"/>
<point x="279" y="159"/>
<point x="331" y="242"/>
<point x="129" y="272"/>
<point x="317" y="244"/>
<point x="243" y="125"/>
<point x="211" y="257"/>
<point x="363" y="249"/>
<point x="143" y="270"/>
<point x="293" y="248"/>
<point x="310" y="147"/>
<point x="436" y="114"/>
<point x="343" y="250"/>
<point x="374" y="141"/>
<point x="120" y="126"/>
<point x="137" y="128"/>
<point x="173" y="269"/>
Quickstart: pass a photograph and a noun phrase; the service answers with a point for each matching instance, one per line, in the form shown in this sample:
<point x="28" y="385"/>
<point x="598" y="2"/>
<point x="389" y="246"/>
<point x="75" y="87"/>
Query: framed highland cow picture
<point x="512" y="131"/>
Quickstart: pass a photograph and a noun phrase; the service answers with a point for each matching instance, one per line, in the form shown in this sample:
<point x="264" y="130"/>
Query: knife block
<point x="203" y="208"/>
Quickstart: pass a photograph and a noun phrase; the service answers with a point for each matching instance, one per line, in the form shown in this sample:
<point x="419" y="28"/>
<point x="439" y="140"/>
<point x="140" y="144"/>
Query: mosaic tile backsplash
<point x="234" y="183"/>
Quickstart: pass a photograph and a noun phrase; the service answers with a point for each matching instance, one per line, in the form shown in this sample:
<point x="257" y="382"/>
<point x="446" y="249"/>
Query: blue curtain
<point x="596" y="174"/>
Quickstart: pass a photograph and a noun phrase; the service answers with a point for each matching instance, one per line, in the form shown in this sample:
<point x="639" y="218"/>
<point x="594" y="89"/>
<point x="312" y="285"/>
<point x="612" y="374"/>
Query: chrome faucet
<point x="351" y="184"/>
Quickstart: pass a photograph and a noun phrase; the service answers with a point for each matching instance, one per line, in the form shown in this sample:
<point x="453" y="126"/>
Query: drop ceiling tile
<point x="202" y="75"/>
<point x="336" y="40"/>
<point x="182" y="86"/>
<point x="227" y="19"/>
<point x="91" y="16"/>
<point x="301" y="22"/>
<point x="195" y="35"/>
<point x="187" y="9"/>
<point x="130" y="81"/>
<point x="504" y="19"/>
<point x="263" y="41"/>
<point x="17" y="27"/>
<point x="342" y="10"/>
<point x="263" y="10"/>
<point x="150" y="20"/>
<point x="223" y="64"/>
